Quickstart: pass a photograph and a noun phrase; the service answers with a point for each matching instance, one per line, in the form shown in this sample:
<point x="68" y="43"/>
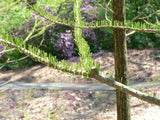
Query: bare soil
<point x="144" y="65"/>
<point x="71" y="105"/>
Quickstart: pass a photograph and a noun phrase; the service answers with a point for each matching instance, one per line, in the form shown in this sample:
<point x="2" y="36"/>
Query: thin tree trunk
<point x="121" y="61"/>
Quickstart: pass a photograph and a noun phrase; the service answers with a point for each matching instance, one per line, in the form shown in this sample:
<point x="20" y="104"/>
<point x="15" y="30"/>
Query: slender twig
<point x="150" y="15"/>
<point x="109" y="2"/>
<point x="141" y="11"/>
<point x="41" y="41"/>
<point x="107" y="8"/>
<point x="22" y="58"/>
<point x="42" y="31"/>
<point x="131" y="33"/>
<point x="32" y="31"/>
<point x="4" y="51"/>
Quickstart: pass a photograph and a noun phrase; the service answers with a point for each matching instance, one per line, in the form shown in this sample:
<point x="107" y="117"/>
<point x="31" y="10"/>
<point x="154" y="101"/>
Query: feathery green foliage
<point x="84" y="50"/>
<point x="87" y="66"/>
<point x="43" y="57"/>
<point x="136" y="26"/>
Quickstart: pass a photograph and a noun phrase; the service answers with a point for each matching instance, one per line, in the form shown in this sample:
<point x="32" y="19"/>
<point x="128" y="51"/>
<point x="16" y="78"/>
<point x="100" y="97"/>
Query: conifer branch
<point x="134" y="26"/>
<point x="124" y="88"/>
<point x="42" y="57"/>
<point x="84" y="50"/>
<point x="93" y="74"/>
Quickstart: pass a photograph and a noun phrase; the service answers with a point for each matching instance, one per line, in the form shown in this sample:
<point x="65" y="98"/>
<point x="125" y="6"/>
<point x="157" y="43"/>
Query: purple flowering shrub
<point x="89" y="13"/>
<point x="58" y="39"/>
<point x="64" y="44"/>
<point x="1" y="48"/>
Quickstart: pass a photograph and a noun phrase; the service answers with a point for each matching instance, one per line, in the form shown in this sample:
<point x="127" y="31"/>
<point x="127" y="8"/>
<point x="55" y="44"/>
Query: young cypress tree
<point x="88" y="67"/>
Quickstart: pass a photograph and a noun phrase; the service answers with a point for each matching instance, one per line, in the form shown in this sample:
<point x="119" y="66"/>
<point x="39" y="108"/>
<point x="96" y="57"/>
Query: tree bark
<point x="121" y="61"/>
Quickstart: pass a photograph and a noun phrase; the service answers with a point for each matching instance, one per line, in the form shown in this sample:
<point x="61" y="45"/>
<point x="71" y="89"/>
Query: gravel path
<point x="70" y="86"/>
